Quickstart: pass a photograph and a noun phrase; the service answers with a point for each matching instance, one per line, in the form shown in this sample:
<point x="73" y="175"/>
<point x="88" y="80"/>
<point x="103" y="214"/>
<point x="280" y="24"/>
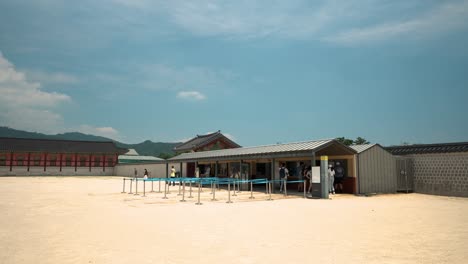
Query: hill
<point x="146" y="148"/>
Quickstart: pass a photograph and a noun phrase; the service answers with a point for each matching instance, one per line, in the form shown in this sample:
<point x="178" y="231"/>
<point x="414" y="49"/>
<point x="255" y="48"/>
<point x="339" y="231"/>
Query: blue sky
<point x="260" y="71"/>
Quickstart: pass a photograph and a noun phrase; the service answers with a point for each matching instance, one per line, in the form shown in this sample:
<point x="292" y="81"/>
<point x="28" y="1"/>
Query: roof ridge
<point x="250" y="147"/>
<point x="429" y="145"/>
<point x="66" y="140"/>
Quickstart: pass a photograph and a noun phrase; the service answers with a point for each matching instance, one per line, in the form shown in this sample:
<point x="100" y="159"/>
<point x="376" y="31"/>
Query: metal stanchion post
<point x="213" y="190"/>
<point x="183" y="192"/>
<point x="305" y="185"/>
<point x="285" y="187"/>
<point x="251" y="191"/>
<point x="266" y="187"/>
<point x="152" y="186"/>
<point x="229" y="192"/>
<point x="159" y="190"/>
<point x="269" y="188"/>
<point x="136" y="186"/>
<point x="199" y="190"/>
<point x="144" y="188"/>
<point x="179" y="187"/>
<point x="131" y="182"/>
<point x="165" y="186"/>
<point x="234" y="187"/>
<point x="123" y="190"/>
<point x="168" y="186"/>
<point x="190" y="183"/>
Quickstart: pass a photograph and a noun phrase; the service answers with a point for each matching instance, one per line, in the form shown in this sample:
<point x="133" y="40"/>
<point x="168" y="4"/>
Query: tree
<point x="360" y="141"/>
<point x="349" y="142"/>
<point x="165" y="156"/>
<point x="345" y="141"/>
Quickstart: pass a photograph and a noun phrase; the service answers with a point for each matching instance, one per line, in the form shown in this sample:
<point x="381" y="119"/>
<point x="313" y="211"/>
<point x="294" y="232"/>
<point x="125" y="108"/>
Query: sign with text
<point x="316" y="174"/>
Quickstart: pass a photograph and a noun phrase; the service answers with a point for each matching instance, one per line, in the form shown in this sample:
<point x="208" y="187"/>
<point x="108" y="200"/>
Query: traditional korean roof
<point x="264" y="151"/>
<point x="132" y="156"/>
<point x="201" y="140"/>
<point x="428" y="148"/>
<point x="62" y="146"/>
<point x="131" y="152"/>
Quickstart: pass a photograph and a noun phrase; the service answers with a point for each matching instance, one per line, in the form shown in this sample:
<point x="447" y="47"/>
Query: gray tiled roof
<point x="362" y="148"/>
<point x="428" y="148"/>
<point x="139" y="158"/>
<point x="201" y="140"/>
<point x="64" y="146"/>
<point x="259" y="150"/>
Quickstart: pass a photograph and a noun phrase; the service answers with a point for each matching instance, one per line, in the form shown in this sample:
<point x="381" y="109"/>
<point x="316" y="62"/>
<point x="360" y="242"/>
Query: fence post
<point x="165" y="186"/>
<point x="131" y="182"/>
<point x="199" y="190"/>
<point x="251" y="191"/>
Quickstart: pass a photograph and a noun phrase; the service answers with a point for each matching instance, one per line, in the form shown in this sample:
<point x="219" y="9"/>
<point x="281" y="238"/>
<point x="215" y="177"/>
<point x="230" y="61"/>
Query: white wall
<point x="156" y="170"/>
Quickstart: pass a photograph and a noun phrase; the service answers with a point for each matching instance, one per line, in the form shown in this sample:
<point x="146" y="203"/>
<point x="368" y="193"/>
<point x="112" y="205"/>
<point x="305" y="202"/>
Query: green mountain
<point x="146" y="148"/>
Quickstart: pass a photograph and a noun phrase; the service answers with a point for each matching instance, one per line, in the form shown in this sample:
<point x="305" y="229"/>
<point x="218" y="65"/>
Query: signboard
<point x="316" y="174"/>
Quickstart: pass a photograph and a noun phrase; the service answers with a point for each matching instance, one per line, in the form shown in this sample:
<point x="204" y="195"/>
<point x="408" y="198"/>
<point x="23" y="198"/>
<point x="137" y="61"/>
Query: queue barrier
<point x="213" y="181"/>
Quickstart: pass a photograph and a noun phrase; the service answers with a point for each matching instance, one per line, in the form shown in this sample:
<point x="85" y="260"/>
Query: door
<point x="405" y="177"/>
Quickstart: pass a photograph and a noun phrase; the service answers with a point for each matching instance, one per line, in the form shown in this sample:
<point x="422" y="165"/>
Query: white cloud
<point x="191" y="95"/>
<point x="443" y="18"/>
<point x="250" y="19"/>
<point x="23" y="105"/>
<point x="50" y="78"/>
<point x="344" y="22"/>
<point x="108" y="132"/>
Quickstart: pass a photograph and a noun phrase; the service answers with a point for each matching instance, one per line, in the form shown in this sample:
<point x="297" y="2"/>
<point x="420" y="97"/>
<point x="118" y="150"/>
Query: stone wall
<point x="441" y="174"/>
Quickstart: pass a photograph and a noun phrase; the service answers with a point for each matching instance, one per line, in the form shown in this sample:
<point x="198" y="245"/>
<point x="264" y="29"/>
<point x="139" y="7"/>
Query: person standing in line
<point x="283" y="173"/>
<point x="145" y="175"/>
<point x="309" y="178"/>
<point x="135" y="172"/>
<point x="339" y="176"/>
<point x="173" y="174"/>
<point x="207" y="171"/>
<point x="300" y="176"/>
<point x="331" y="179"/>
<point x="197" y="172"/>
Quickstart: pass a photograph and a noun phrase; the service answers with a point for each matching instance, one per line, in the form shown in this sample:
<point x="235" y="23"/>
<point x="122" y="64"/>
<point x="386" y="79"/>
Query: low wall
<point x="441" y="174"/>
<point x="155" y="170"/>
<point x="55" y="171"/>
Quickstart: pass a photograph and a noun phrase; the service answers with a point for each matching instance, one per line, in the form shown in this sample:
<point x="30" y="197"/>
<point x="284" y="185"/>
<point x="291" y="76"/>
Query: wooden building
<point x="213" y="141"/>
<point x="208" y="142"/>
<point x="19" y="156"/>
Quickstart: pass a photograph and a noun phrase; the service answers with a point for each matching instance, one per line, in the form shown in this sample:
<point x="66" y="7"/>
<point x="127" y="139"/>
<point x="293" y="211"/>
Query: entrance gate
<point x="405" y="175"/>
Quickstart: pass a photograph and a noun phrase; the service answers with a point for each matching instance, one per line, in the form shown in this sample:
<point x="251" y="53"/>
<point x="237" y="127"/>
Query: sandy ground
<point x="88" y="220"/>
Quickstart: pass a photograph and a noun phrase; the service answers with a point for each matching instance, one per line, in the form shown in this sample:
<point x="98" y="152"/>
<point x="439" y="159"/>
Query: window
<point x="37" y="160"/>
<point x="2" y="160"/>
<point x="97" y="161"/>
<point x="68" y="161"/>
<point x="20" y="160"/>
<point x="52" y="160"/>
<point x="83" y="161"/>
